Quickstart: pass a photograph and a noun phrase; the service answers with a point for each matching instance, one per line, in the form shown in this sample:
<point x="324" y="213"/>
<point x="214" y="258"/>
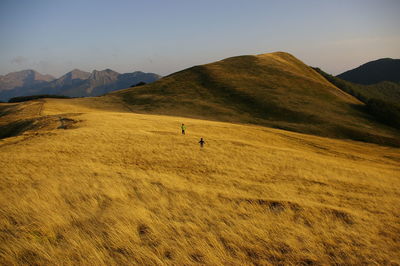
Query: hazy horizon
<point x="54" y="37"/>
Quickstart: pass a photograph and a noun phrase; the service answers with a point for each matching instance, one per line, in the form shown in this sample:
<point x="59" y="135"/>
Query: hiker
<point x="183" y="127"/>
<point x="201" y="142"/>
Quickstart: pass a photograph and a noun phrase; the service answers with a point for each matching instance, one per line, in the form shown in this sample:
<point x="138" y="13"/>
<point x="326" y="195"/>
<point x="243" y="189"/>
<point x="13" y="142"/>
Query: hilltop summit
<point x="274" y="89"/>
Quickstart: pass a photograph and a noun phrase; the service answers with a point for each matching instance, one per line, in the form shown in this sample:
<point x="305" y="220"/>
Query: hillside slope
<point x="274" y="89"/>
<point x="89" y="182"/>
<point x="386" y="91"/>
<point x="385" y="69"/>
<point x="382" y="100"/>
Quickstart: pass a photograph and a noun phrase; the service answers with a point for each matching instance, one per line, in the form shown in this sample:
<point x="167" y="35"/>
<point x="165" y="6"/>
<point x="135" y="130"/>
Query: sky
<point x="165" y="36"/>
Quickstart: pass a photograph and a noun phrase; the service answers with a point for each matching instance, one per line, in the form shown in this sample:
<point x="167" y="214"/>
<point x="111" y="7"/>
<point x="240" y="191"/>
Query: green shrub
<point x="384" y="112"/>
<point x="34" y="97"/>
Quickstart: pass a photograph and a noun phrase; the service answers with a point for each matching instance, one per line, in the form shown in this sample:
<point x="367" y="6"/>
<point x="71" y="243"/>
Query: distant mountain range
<point x="76" y="83"/>
<point x="385" y="69"/>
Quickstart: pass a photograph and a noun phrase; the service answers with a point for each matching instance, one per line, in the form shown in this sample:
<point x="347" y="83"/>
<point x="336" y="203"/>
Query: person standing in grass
<point x="183" y="127"/>
<point x="201" y="142"/>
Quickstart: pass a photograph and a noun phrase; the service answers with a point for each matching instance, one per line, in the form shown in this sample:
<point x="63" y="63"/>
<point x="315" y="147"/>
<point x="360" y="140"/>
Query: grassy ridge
<point x="275" y="90"/>
<point x="124" y="188"/>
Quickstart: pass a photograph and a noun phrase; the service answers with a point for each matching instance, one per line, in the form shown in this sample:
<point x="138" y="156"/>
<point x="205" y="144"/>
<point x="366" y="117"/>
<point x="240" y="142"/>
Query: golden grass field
<point x="113" y="187"/>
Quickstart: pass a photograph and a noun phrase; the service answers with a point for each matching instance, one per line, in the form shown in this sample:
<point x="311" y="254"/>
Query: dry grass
<point x="123" y="188"/>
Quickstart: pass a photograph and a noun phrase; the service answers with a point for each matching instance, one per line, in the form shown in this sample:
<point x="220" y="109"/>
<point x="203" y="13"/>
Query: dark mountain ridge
<point x="385" y="69"/>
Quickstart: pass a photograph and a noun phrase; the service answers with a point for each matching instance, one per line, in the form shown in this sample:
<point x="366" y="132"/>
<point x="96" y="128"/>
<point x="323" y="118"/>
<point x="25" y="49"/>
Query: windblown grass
<point x="125" y="188"/>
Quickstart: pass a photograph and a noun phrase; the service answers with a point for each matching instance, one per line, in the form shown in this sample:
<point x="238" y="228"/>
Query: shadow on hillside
<point x="16" y="128"/>
<point x="7" y="109"/>
<point x="243" y="101"/>
<point x="19" y="127"/>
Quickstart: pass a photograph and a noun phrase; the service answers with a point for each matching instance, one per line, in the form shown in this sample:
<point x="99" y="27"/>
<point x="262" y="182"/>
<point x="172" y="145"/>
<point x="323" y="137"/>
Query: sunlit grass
<point x="124" y="188"/>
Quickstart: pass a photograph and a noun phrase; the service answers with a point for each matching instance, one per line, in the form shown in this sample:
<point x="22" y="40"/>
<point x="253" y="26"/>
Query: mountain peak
<point x="30" y="74"/>
<point x="76" y="74"/>
<point x="77" y="70"/>
<point x="384" y="69"/>
<point x="107" y="70"/>
<point x="25" y="71"/>
<point x="23" y="78"/>
<point x="103" y="74"/>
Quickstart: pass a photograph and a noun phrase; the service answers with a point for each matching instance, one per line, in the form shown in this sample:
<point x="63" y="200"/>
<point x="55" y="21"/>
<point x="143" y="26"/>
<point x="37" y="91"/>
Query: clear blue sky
<point x="165" y="36"/>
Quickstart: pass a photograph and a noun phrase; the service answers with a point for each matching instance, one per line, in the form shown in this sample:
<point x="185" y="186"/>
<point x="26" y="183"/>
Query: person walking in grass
<point x="201" y="142"/>
<point x="183" y="127"/>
